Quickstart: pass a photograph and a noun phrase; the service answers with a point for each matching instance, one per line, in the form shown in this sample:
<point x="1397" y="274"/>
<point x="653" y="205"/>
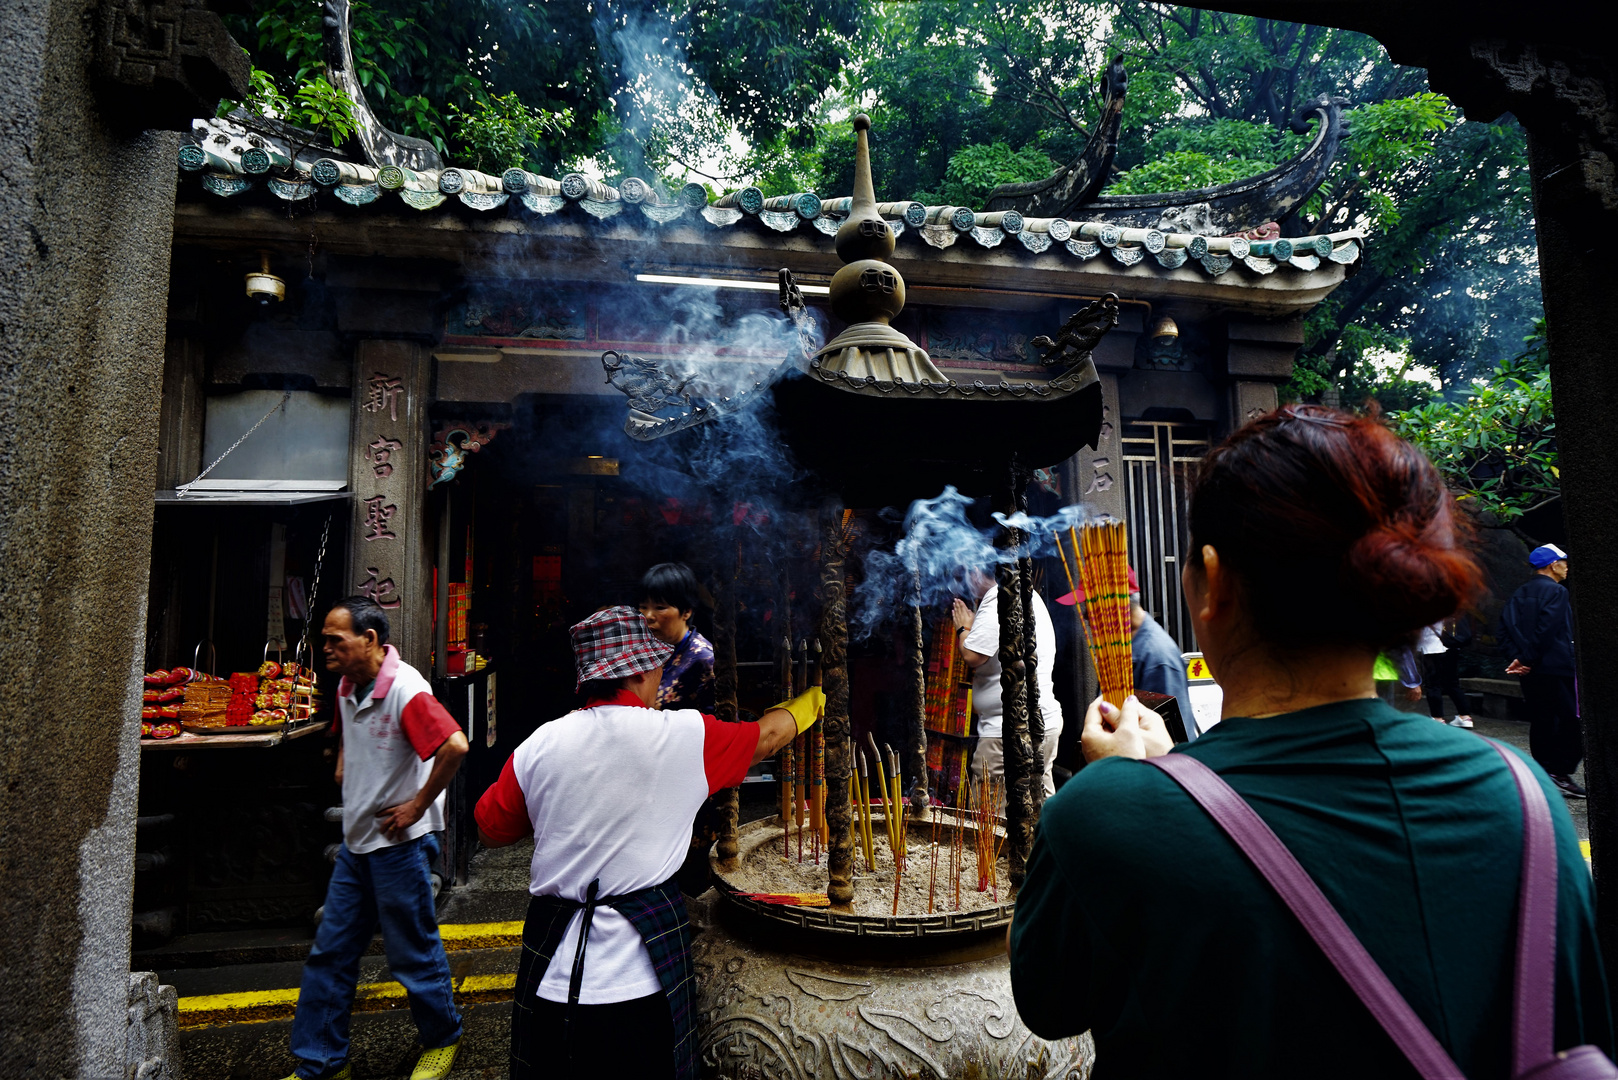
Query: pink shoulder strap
<point x="1535" y="998"/>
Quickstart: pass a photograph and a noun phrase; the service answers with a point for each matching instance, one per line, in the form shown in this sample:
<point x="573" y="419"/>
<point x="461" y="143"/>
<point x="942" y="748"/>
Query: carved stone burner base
<point x="765" y="1015"/>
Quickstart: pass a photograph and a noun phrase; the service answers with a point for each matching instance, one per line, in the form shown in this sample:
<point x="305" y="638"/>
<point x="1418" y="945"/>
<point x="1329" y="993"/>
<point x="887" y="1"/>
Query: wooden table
<point x="245" y="737"/>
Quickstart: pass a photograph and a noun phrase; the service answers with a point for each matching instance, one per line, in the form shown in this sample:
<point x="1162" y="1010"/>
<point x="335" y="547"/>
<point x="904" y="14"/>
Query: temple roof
<point x="234" y="163"/>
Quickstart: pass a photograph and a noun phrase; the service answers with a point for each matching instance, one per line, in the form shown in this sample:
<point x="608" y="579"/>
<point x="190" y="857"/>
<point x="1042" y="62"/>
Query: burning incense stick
<point x="865" y="813"/>
<point x="1104" y="567"/>
<point x="787" y="784"/>
<point x="818" y="795"/>
<point x="932" y="865"/>
<point x="1060" y="550"/>
<point x="801" y="753"/>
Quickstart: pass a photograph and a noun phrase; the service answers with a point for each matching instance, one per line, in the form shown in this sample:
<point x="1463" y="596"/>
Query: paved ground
<point x="1510" y="731"/>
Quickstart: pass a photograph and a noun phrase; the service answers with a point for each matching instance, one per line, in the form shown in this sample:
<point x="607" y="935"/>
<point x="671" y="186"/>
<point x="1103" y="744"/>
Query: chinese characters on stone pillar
<point x="382" y="392"/>
<point x="387" y="468"/>
<point x="381" y="590"/>
<point x="377" y="516"/>
<point x="379" y="452"/>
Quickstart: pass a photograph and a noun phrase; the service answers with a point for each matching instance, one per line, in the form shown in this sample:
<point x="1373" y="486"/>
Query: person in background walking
<point x="1538" y="622"/>
<point x="399" y="750"/>
<point x="1438" y="645"/>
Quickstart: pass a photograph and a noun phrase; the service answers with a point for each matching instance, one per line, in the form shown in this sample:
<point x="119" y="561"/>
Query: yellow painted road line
<point x="488" y="935"/>
<point x="255" y="1006"/>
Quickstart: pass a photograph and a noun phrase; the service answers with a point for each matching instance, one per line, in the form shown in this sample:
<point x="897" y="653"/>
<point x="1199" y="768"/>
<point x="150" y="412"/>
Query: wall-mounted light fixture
<point x="264" y="286"/>
<point x="726" y="283"/>
<point x="1166" y="328"/>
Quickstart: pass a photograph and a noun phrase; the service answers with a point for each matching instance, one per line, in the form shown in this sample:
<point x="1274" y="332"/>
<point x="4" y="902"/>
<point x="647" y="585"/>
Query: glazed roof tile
<point x="229" y="160"/>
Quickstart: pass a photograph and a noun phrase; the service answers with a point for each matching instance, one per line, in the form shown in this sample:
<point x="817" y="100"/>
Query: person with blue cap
<point x="1538" y="624"/>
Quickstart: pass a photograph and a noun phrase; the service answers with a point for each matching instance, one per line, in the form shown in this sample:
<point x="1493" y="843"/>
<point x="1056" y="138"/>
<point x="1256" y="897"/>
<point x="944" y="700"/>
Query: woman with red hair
<point x="1317" y="540"/>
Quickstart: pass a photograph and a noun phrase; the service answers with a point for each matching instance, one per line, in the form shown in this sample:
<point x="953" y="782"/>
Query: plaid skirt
<point x="659" y="914"/>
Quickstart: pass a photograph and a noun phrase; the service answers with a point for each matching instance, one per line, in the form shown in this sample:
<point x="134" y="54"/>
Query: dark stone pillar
<point x="834" y="679"/>
<point x="1021" y="760"/>
<point x="916" y="725"/>
<point x="86" y="227"/>
<point x="1579" y="282"/>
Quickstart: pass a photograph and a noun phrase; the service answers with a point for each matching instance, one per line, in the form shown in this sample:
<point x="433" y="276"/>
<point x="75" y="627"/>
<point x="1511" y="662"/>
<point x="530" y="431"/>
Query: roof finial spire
<point x="864" y="235"/>
<point x="868" y="291"/>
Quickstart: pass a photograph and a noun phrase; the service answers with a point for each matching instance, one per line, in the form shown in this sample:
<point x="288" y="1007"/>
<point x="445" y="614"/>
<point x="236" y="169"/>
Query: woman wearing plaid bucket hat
<point x="608" y="793"/>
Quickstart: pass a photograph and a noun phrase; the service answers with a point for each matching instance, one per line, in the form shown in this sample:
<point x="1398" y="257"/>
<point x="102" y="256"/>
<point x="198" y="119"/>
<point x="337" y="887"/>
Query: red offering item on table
<point x="145" y="729"/>
<point x="269" y="669"/>
<point x="157" y="678"/>
<point x="166" y="730"/>
<point x="169" y="712"/>
<point x="149" y="712"/>
<point x="244" y="682"/>
<point x="169" y="693"/>
<point x="181" y="675"/>
<point x="290" y="670"/>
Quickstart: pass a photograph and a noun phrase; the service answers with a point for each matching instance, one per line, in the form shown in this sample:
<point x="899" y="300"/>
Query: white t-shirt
<point x="984" y="637"/>
<point x="610" y="792"/>
<point x="389" y="740"/>
<point x="1429" y="644"/>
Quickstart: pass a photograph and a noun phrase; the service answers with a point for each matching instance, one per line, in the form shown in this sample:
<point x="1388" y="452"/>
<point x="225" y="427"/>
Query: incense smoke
<point x="941" y="547"/>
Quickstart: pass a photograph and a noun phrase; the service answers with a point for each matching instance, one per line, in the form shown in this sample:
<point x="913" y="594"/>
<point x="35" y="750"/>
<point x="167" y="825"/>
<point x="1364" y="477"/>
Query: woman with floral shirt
<point x="668" y="596"/>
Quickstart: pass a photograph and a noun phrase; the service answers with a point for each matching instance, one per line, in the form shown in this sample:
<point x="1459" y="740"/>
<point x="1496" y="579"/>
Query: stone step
<point x="382" y="1045"/>
<point x="236" y="1020"/>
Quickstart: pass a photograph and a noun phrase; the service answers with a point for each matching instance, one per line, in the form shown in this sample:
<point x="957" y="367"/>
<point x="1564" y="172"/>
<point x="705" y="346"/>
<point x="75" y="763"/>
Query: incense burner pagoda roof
<point x="233" y="163"/>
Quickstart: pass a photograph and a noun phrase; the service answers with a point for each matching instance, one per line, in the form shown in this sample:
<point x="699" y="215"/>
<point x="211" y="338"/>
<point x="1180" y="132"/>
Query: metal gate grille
<point x="1160" y="458"/>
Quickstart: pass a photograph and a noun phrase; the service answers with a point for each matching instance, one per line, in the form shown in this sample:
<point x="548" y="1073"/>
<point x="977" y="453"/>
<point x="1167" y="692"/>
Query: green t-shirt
<point x="1141" y="921"/>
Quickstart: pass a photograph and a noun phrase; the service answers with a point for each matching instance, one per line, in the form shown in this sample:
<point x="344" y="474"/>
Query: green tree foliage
<point x="1497" y="447"/>
<point x="1182" y="170"/>
<point x="1450" y="269"/>
<point x="974" y="171"/>
<point x="963" y="95"/>
<point x="314" y="104"/>
<point x="499" y="132"/>
<point x="632" y="85"/>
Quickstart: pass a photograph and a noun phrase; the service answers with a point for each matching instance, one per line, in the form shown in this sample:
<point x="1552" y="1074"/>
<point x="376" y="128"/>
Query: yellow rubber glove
<point x="806" y="708"/>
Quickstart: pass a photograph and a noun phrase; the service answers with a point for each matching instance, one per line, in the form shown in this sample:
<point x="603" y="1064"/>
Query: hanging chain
<point x="314" y="591"/>
<point x="184" y="489"/>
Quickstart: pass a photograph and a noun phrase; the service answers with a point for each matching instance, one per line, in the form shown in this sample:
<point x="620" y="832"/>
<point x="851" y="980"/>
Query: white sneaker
<point x="1461" y="722"/>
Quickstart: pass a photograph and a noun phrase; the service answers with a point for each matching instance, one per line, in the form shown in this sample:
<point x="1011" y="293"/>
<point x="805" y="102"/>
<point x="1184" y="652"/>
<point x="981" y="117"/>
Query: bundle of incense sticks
<point x="1103" y="557"/>
<point x="862" y="804"/>
<point x="985" y="842"/>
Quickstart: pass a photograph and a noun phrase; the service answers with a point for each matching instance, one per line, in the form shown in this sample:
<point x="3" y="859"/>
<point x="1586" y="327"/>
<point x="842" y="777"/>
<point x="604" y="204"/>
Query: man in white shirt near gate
<point x="400" y="749"/>
<point x="608" y="792"/>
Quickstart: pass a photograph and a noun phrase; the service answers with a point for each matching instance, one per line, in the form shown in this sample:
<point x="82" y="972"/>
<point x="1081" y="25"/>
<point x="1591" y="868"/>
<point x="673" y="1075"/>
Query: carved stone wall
<point x="388" y="475"/>
<point x="86" y="225"/>
<point x="153" y="1042"/>
<point x="160" y="63"/>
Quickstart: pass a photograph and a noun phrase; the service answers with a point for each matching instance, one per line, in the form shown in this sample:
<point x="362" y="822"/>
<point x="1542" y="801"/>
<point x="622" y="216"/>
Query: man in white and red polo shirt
<point x="399" y="751"/>
<point x="608" y="793"/>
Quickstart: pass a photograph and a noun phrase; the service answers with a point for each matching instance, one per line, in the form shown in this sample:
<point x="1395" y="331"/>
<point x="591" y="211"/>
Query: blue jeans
<point x="392" y="889"/>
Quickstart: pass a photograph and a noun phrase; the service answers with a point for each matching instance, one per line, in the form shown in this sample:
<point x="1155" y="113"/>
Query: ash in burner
<point x="763" y="869"/>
